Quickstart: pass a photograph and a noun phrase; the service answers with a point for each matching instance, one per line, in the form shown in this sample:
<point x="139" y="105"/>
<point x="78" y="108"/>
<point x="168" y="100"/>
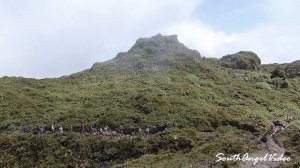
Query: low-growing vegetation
<point x="213" y="109"/>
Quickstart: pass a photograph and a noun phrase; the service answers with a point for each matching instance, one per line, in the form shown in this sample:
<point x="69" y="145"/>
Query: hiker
<point x="285" y="112"/>
<point x="289" y="118"/>
<point x="276" y="127"/>
<point x="161" y="127"/>
<point x="93" y="127"/>
<point x="147" y="131"/>
<point x="274" y="130"/>
<point x="25" y="128"/>
<point x="140" y="131"/>
<point x="42" y="130"/>
<point x="53" y="129"/>
<point x="60" y="129"/>
<point x="106" y="129"/>
<point x="154" y="130"/>
<point x="82" y="128"/>
<point x="37" y="130"/>
<point x="47" y="128"/>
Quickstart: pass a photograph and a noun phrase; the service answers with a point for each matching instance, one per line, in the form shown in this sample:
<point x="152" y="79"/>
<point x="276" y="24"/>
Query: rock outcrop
<point x="245" y="60"/>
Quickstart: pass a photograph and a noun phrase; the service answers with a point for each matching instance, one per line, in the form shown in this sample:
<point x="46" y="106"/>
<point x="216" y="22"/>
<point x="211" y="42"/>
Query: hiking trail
<point x="270" y="147"/>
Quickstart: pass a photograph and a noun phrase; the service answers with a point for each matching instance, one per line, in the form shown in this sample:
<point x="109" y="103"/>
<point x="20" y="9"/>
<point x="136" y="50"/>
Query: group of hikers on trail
<point x="44" y="129"/>
<point x="92" y="129"/>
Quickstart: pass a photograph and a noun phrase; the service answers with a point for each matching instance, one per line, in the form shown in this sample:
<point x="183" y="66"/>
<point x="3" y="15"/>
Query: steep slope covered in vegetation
<point x="211" y="109"/>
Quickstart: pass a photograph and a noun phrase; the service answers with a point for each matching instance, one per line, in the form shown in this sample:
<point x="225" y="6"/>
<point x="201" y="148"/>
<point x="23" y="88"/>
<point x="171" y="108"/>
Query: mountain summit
<point x="157" y="50"/>
<point x="164" y="46"/>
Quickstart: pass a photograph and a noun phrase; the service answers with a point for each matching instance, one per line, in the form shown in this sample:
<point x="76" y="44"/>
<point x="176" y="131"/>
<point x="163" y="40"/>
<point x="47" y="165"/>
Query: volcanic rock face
<point x="293" y="69"/>
<point x="245" y="60"/>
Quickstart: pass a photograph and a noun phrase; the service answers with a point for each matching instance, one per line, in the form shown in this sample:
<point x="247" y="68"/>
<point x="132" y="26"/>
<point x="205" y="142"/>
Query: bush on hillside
<point x="278" y="73"/>
<point x="293" y="69"/>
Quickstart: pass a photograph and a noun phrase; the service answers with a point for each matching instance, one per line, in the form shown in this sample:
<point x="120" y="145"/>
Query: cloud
<point x="51" y="38"/>
<point x="275" y="40"/>
<point x="199" y="36"/>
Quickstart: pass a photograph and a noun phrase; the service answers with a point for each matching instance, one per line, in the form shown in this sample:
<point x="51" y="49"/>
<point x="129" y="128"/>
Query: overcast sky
<point x="51" y="38"/>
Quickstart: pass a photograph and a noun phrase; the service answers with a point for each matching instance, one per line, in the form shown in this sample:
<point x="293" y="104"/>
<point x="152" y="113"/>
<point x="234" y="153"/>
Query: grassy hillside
<point x="212" y="109"/>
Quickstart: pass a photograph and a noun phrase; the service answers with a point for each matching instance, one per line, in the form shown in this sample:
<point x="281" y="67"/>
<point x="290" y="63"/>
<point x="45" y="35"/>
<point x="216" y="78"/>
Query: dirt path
<point x="270" y="147"/>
